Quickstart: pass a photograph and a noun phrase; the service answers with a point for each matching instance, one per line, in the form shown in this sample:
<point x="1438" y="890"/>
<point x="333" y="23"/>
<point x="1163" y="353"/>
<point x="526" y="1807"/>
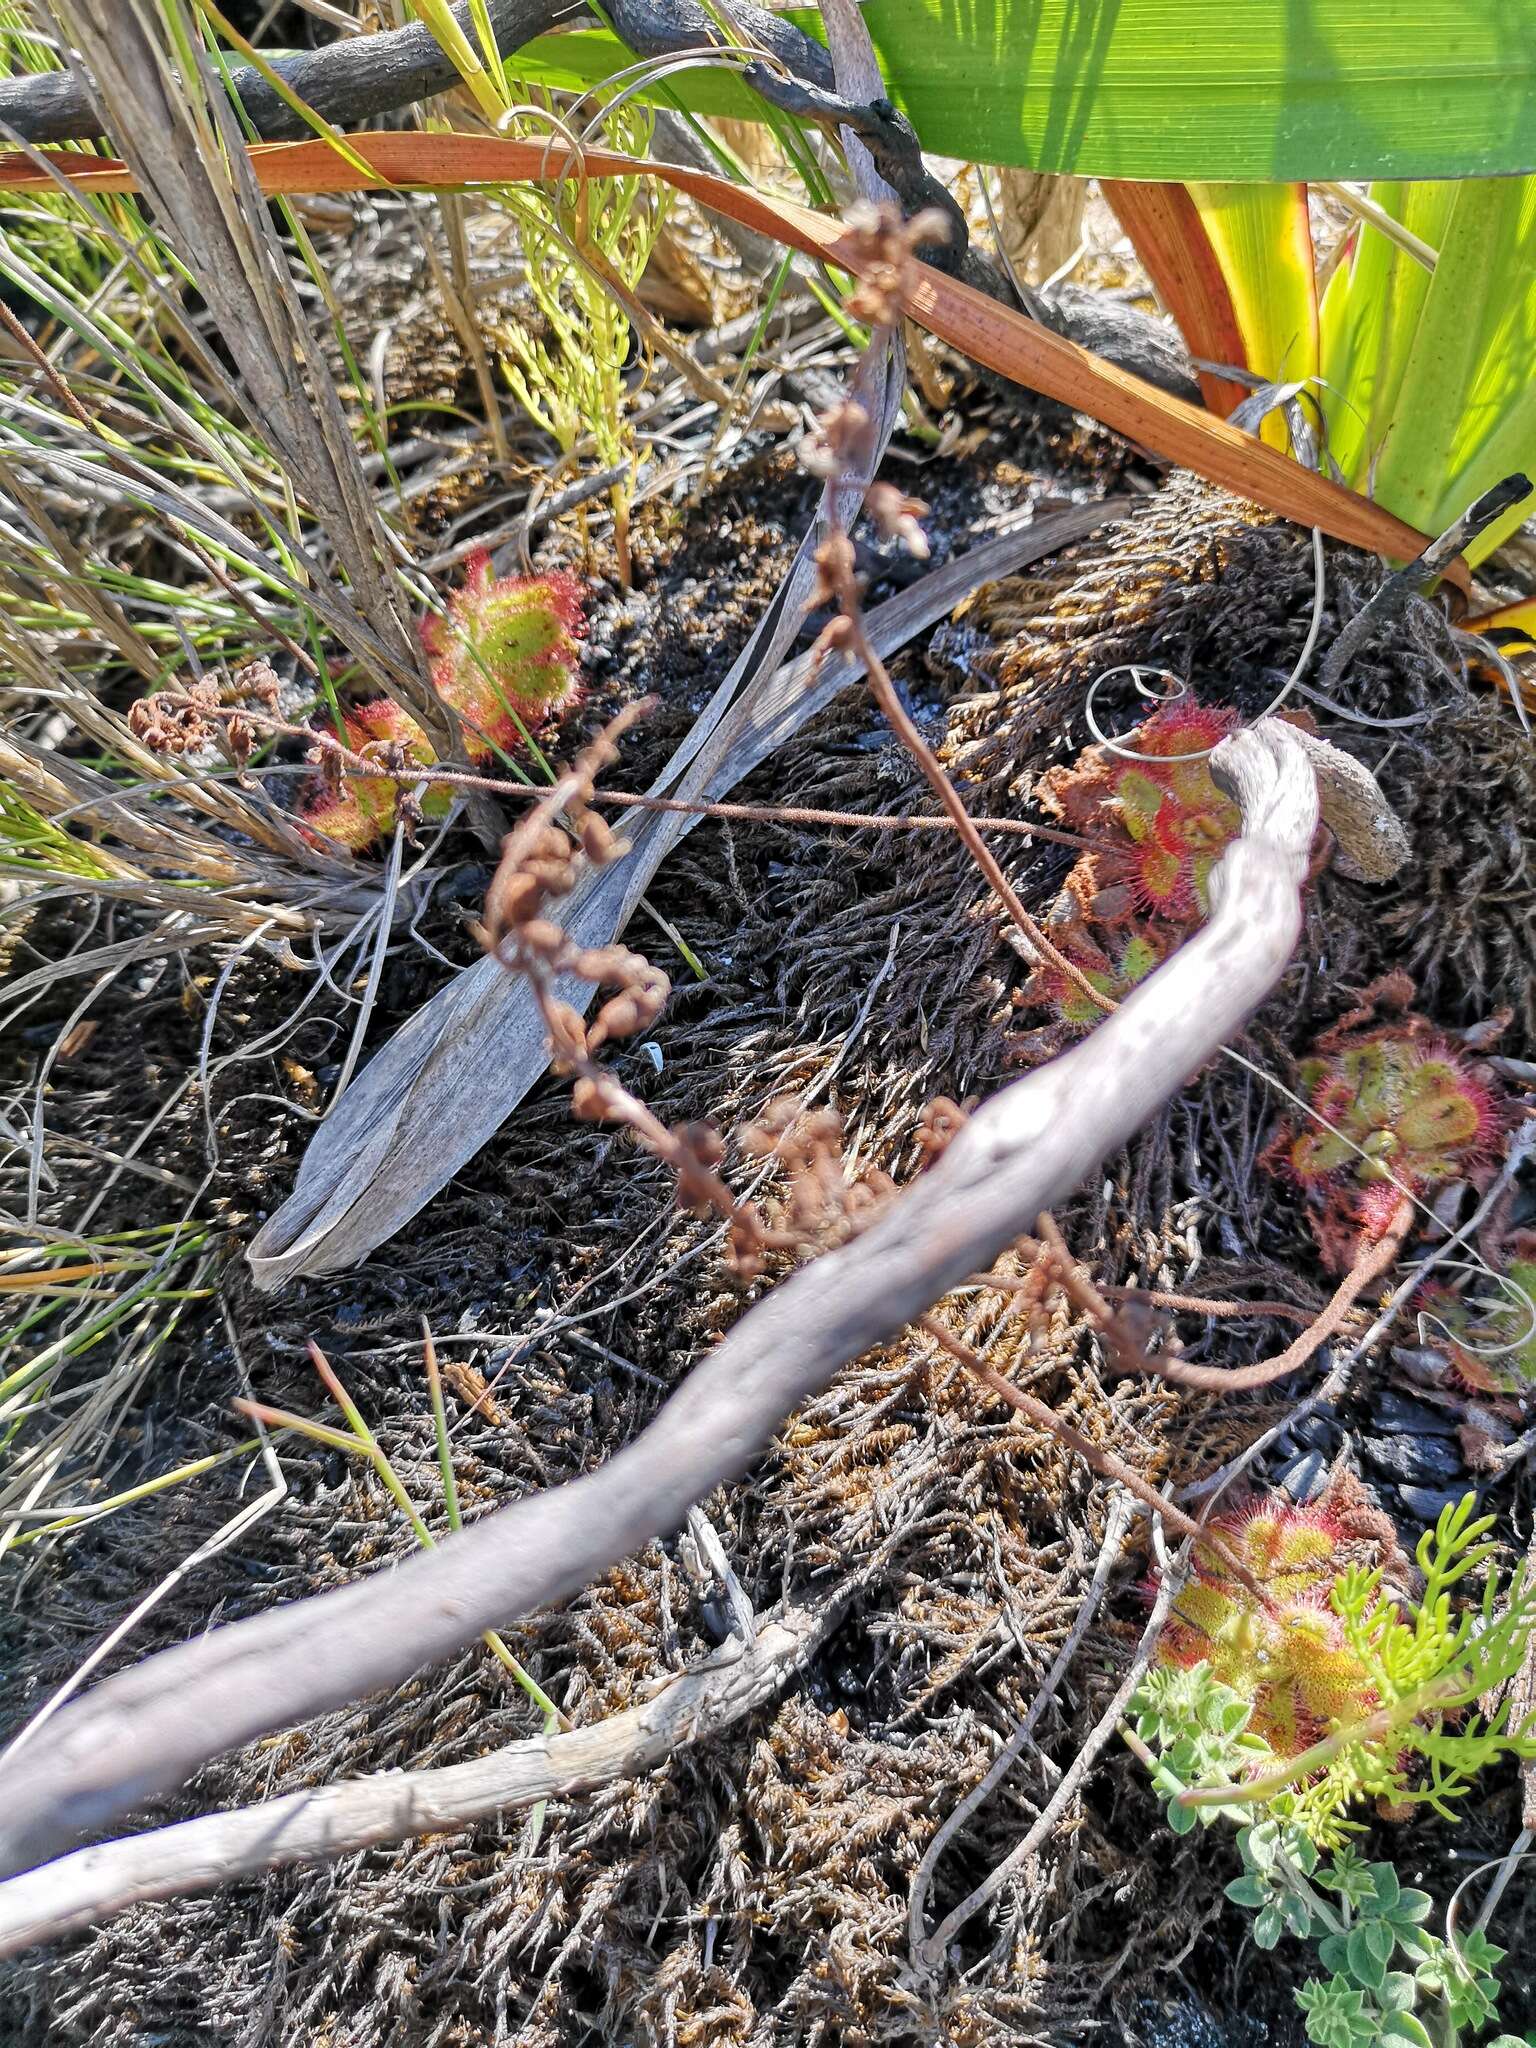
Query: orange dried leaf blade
<point x="1261" y="236"/>
<point x="988" y="333"/>
<point x="1168" y="235"/>
<point x="1519" y="617"/>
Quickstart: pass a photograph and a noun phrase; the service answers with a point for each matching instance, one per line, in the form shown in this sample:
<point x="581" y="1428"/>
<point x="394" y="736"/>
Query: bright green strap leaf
<point x="1465" y="412"/>
<point x="1263" y="242"/>
<point x="1180" y="88"/>
<point x="1370" y="311"/>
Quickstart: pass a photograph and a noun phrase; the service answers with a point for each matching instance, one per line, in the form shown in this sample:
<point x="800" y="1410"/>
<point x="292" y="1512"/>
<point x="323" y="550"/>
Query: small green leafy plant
<point x="1420" y="1669"/>
<point x="1288" y="1658"/>
<point x="1158" y="818"/>
<point x="1112" y="961"/>
<point x="1219" y="1753"/>
<point x="358" y="810"/>
<point x="506" y="654"/>
<point x="1388" y="1978"/>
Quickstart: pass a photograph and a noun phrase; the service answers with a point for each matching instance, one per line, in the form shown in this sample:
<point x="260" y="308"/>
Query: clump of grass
<point x="85" y="1320"/>
<point x="358" y="1440"/>
<point x="583" y="262"/>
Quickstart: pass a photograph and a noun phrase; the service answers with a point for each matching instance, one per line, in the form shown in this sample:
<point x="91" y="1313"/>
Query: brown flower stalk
<point x="878" y="237"/>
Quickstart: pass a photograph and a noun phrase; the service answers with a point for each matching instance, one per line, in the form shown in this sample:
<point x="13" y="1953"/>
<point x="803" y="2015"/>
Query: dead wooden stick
<point x="358" y="77"/>
<point x="142" y="1732"/>
<point x="310" y="1827"/>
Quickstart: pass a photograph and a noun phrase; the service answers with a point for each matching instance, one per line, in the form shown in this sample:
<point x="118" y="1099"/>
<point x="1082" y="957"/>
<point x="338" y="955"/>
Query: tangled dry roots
<point x="756" y="1889"/>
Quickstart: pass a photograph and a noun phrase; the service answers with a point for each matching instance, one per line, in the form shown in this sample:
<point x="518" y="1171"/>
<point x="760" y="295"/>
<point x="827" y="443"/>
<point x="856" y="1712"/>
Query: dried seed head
<point x="942" y="1120"/>
<point x="567" y="1033"/>
<point x="881" y="247"/>
<point x="842" y="440"/>
<point x="589" y="1100"/>
<point x="896" y="517"/>
<point x="258" y="680"/>
<point x="704" y="1142"/>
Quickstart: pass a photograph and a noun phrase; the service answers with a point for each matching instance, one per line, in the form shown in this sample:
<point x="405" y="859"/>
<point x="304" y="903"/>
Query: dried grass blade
<point x="987" y="332"/>
<point x="186" y="155"/>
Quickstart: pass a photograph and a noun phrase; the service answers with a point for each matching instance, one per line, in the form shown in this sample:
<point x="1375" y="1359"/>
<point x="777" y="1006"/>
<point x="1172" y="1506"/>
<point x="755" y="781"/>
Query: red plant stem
<point x="1198" y="1305"/>
<point x="1185" y="1304"/>
<point x="1370" y="1263"/>
<point x="794" y="814"/>
<point x="938" y="781"/>
<point x="370" y="770"/>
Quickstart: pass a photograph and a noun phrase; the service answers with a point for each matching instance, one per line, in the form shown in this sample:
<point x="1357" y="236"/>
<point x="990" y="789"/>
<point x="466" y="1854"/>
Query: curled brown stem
<point x="227" y="710"/>
<point x="1373" y="1260"/>
<point x="1154" y="1297"/>
<point x="1201" y="1305"/>
<point x="884" y="693"/>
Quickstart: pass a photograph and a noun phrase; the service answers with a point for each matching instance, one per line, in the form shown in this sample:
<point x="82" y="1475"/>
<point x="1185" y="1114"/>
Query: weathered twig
<point x="358" y="77"/>
<point x="928" y="1953"/>
<point x="1152" y="1297"/>
<point x="309" y="1827"/>
<point x="1116" y="1525"/>
<point x="1202" y="1305"/>
<point x="143" y="1731"/>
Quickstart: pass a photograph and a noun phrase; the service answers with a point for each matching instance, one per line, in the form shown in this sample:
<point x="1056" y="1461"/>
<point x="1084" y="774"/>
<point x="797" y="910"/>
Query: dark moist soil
<point x="756" y="1888"/>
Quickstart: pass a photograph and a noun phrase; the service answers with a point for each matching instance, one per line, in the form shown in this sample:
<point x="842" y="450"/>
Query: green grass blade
<point x="1177" y="88"/>
<point x="1468" y="369"/>
<point x="1370" y="314"/>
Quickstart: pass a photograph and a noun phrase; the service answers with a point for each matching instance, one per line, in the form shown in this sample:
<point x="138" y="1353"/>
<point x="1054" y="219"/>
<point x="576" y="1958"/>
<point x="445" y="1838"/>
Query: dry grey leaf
<point x="433" y="1095"/>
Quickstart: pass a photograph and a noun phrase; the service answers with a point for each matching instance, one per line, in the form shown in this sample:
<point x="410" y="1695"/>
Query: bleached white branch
<point x="144" y="1731"/>
<point x="311" y="1827"/>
